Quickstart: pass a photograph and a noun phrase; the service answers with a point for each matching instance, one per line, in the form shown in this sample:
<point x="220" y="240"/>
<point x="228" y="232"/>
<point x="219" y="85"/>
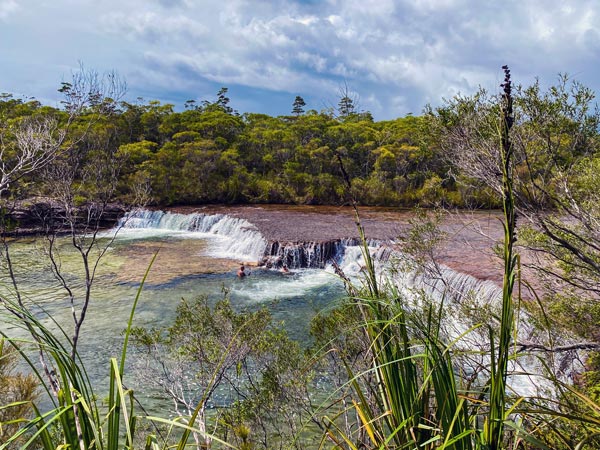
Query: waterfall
<point x="297" y="255"/>
<point x="468" y="302"/>
<point x="240" y="239"/>
<point x="234" y="238"/>
<point x="470" y="306"/>
<point x="455" y="286"/>
<point x="346" y="253"/>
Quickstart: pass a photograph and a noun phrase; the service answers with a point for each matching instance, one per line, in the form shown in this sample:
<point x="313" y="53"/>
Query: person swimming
<point x="285" y="269"/>
<point x="241" y="272"/>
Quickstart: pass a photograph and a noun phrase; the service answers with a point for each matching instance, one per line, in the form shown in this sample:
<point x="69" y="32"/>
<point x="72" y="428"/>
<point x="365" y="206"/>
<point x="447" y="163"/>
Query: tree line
<point x="209" y="153"/>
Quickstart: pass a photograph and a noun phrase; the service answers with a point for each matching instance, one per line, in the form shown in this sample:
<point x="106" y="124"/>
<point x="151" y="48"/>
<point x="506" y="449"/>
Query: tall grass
<point x="79" y="419"/>
<point x="418" y="401"/>
<point x="494" y="425"/>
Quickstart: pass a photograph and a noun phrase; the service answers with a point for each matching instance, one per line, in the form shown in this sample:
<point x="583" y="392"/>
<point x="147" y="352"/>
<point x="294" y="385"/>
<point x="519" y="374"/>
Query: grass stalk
<point x="494" y="426"/>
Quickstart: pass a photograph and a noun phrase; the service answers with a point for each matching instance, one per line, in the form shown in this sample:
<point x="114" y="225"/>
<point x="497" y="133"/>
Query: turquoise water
<point x="184" y="268"/>
<point x="189" y="263"/>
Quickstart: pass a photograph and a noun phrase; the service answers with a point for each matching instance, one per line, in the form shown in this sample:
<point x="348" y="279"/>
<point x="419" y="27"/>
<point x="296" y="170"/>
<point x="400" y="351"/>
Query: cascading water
<point x="468" y="301"/>
<point x="236" y="238"/>
<point x="470" y="305"/>
<point x="241" y="240"/>
<point x="299" y="255"/>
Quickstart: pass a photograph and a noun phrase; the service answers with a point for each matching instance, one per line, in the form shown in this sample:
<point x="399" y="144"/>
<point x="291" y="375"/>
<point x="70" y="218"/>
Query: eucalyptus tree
<point x="82" y="181"/>
<point x="347" y="104"/>
<point x="30" y="137"/>
<point x="71" y="155"/>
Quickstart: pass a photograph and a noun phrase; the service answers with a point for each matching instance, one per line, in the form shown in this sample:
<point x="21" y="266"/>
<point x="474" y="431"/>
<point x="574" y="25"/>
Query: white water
<point x="238" y="239"/>
<point x="232" y="237"/>
<point x="470" y="307"/>
<point x="468" y="301"/>
<point x="259" y="288"/>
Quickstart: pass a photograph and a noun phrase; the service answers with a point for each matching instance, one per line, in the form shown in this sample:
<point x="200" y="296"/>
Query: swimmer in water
<point x="241" y="273"/>
<point x="285" y="269"/>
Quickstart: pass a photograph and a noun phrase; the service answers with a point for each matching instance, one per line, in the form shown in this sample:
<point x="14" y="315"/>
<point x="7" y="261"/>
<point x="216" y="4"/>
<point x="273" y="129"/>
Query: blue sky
<point x="394" y="56"/>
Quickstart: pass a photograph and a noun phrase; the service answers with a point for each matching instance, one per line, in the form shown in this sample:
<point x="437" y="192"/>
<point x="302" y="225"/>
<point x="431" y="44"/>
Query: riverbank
<point x="36" y="215"/>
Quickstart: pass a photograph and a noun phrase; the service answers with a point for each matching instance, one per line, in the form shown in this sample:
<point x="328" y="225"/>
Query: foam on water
<point x="353" y="262"/>
<point x="267" y="285"/>
<point x="230" y="237"/>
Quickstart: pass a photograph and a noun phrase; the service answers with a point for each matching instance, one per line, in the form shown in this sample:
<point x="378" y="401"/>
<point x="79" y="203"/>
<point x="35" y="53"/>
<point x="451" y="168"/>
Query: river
<point x="199" y="252"/>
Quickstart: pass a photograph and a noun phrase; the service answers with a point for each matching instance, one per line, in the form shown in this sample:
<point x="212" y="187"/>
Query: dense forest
<point x="211" y="154"/>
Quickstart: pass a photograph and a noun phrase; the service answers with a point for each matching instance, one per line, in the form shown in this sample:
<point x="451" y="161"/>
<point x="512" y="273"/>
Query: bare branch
<point x="531" y="347"/>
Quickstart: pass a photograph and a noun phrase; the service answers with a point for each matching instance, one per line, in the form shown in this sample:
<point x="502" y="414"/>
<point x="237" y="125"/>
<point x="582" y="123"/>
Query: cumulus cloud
<point x="398" y="54"/>
<point x="434" y="48"/>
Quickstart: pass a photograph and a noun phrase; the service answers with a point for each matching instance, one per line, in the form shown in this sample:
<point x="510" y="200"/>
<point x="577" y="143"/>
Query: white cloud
<point x="153" y="27"/>
<point x="414" y="50"/>
<point x="307" y="20"/>
<point x="7" y="7"/>
<point x="430" y="47"/>
<point x="434" y="5"/>
<point x="312" y="60"/>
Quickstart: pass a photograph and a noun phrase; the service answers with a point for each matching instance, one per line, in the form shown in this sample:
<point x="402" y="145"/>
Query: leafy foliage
<point x="17" y="391"/>
<point x="209" y="153"/>
<point x="244" y="371"/>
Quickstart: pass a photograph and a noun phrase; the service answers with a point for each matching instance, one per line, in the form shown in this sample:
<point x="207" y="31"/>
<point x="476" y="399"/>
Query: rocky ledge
<point x="467" y="248"/>
<point x="38" y="215"/>
<point x="307" y="233"/>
